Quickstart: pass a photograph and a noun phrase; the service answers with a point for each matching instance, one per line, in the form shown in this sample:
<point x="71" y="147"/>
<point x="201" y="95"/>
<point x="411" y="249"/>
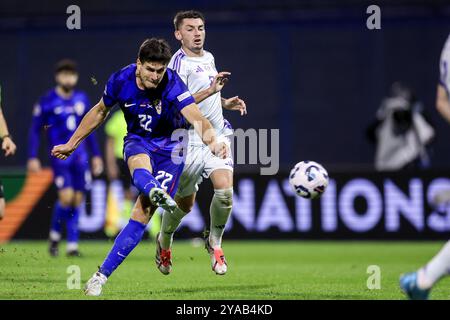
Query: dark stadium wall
<point x="314" y="71"/>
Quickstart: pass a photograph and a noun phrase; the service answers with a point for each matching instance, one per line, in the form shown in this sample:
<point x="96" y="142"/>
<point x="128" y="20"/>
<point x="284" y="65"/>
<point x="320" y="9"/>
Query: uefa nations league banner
<point x="354" y="206"/>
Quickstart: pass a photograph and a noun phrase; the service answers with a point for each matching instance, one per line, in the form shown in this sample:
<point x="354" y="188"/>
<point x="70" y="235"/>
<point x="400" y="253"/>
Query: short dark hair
<point x="155" y="50"/>
<point x="191" y="14"/>
<point x="66" y="65"/>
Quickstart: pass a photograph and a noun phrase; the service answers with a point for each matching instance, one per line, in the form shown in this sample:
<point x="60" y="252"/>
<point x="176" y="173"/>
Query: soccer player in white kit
<point x="196" y="68"/>
<point x="417" y="285"/>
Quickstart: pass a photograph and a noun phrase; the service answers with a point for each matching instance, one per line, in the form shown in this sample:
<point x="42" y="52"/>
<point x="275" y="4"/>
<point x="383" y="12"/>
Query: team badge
<point x="158" y="106"/>
<point x="79" y="108"/>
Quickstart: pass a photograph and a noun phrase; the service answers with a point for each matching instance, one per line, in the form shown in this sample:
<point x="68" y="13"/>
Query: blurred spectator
<point x="401" y="132"/>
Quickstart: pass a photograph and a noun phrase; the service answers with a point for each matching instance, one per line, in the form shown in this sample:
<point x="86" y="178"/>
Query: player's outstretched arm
<point x="235" y="104"/>
<point x="8" y="145"/>
<point x="443" y="102"/>
<point x="95" y="117"/>
<point x="216" y="85"/>
<point x="204" y="129"/>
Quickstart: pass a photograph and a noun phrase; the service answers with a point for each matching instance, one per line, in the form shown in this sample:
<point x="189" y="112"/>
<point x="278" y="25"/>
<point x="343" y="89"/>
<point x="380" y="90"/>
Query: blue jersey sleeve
<point x="179" y="94"/>
<point x="37" y="123"/>
<point x="110" y="95"/>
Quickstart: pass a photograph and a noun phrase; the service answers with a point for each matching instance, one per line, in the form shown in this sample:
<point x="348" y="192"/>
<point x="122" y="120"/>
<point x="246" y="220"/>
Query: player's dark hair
<point x="66" y="65"/>
<point x="191" y="14"/>
<point x="155" y="50"/>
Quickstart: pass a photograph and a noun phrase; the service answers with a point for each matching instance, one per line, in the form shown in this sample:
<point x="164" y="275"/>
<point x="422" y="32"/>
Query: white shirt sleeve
<point x="183" y="71"/>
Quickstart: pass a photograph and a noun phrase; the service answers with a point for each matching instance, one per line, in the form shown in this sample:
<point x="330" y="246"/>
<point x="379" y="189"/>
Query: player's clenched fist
<point x="62" y="151"/>
<point x="219" y="149"/>
<point x="8" y="146"/>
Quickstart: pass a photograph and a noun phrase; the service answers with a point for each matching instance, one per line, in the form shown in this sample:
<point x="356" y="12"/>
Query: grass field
<point x="257" y="270"/>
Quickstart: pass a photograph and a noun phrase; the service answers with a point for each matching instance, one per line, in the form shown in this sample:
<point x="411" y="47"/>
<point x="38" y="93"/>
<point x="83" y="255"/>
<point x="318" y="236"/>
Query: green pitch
<point x="257" y="270"/>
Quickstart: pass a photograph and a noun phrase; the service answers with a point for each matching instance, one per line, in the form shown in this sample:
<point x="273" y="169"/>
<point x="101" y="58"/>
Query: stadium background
<point x="309" y="68"/>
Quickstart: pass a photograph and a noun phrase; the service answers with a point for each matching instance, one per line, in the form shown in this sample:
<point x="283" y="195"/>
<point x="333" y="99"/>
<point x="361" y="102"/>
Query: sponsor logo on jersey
<point x="199" y="69"/>
<point x="183" y="96"/>
<point x="146" y="104"/>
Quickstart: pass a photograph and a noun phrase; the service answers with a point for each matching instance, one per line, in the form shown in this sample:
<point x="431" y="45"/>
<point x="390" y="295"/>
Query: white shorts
<point x="200" y="163"/>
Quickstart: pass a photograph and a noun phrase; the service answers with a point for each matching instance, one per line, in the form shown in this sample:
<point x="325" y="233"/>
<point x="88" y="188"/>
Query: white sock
<point x="71" y="246"/>
<point x="220" y="211"/>
<point x="54" y="236"/>
<point x="438" y="267"/>
<point x="169" y="223"/>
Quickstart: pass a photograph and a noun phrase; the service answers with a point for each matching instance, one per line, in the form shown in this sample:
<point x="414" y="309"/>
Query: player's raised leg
<point x="185" y="198"/>
<point x="125" y="242"/>
<point x="171" y="171"/>
<point x="169" y="223"/>
<point x="144" y="181"/>
<point x="220" y="211"/>
<point x="151" y="197"/>
<point x="417" y="285"/>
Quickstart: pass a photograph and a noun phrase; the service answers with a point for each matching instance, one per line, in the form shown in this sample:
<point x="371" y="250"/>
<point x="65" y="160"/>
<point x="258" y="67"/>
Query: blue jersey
<point x="152" y="114"/>
<point x="59" y="117"/>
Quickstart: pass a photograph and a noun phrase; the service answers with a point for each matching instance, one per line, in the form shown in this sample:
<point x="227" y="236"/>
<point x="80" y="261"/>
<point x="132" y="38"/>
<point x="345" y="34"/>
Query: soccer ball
<point x="308" y="179"/>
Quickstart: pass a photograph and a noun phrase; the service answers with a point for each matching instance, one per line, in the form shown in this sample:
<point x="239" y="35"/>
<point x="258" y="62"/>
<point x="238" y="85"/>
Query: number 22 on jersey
<point x="145" y="122"/>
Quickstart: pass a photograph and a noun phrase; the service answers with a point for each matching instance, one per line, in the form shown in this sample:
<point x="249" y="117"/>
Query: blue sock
<point x="125" y="242"/>
<point x="72" y="225"/>
<point x="144" y="181"/>
<point x="60" y="214"/>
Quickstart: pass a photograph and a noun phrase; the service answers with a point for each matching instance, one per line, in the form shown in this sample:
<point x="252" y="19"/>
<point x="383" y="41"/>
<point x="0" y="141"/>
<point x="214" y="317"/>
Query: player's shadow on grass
<point x="31" y="280"/>
<point x="211" y="289"/>
<point x="250" y="289"/>
<point x="321" y="296"/>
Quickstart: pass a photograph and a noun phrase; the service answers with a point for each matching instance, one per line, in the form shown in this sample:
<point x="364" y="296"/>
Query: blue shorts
<point x="167" y="164"/>
<point x="73" y="172"/>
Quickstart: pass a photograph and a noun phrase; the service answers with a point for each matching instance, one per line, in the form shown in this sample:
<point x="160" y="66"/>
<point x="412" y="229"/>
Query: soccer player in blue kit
<point x="59" y="112"/>
<point x="155" y="102"/>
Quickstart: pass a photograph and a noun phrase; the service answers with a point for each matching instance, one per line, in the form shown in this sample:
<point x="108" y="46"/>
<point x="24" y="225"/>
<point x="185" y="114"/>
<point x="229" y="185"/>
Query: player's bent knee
<point x="66" y="197"/>
<point x="186" y="207"/>
<point x="142" y="210"/>
<point x="225" y="196"/>
<point x="185" y="204"/>
<point x="139" y="161"/>
<point x="140" y="217"/>
<point x="78" y="198"/>
<point x="222" y="179"/>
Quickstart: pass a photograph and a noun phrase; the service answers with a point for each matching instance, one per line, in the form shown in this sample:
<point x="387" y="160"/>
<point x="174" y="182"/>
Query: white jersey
<point x="445" y="66"/>
<point x="198" y="73"/>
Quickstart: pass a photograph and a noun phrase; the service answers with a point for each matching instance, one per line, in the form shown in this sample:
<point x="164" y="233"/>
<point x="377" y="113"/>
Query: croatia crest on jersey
<point x="158" y="106"/>
<point x="79" y="108"/>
